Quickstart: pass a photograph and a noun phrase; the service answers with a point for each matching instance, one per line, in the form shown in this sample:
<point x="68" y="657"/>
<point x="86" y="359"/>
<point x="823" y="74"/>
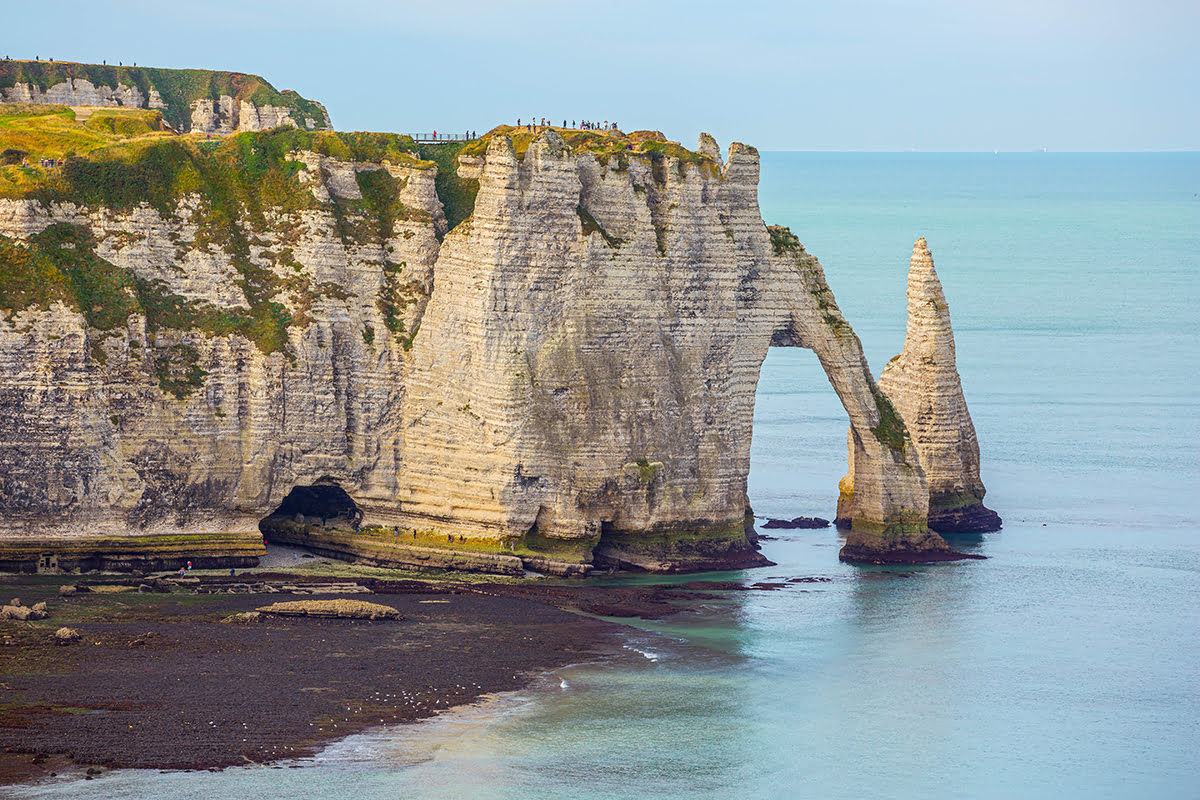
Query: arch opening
<point x="798" y="440"/>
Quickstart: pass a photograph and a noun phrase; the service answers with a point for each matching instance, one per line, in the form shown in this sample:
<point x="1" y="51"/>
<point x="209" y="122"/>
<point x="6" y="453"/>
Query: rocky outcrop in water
<point x="564" y="379"/>
<point x="923" y="385"/>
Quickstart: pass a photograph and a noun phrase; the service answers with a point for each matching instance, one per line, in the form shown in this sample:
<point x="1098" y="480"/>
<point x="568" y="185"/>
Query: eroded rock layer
<point x="566" y="379"/>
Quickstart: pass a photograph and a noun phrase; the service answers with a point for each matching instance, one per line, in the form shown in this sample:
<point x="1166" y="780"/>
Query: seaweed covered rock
<point x="341" y="608"/>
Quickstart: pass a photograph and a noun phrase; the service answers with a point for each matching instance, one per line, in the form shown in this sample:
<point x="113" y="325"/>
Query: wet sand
<point x="158" y="682"/>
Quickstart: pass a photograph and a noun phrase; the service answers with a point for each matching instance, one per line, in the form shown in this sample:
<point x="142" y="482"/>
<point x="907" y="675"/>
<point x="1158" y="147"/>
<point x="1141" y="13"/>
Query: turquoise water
<point x="1066" y="665"/>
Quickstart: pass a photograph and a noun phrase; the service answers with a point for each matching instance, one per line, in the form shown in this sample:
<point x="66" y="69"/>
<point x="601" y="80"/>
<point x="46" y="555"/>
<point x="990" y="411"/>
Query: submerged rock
<point x="797" y="522"/>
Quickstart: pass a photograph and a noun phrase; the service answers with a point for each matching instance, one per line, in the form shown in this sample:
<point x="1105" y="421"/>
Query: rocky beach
<point x="162" y="678"/>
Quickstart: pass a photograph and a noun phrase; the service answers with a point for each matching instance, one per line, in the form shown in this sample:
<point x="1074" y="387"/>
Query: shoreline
<point x="158" y="682"/>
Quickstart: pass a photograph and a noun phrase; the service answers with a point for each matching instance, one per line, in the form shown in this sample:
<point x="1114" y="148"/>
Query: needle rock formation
<point x="923" y="385"/>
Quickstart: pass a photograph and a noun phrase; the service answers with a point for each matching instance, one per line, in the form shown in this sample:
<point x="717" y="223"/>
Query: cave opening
<point x="608" y="553"/>
<point x="327" y="500"/>
<point x="309" y="510"/>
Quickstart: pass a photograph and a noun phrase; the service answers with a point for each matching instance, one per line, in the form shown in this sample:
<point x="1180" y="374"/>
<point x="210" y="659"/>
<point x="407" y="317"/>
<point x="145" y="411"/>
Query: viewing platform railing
<point x="439" y="138"/>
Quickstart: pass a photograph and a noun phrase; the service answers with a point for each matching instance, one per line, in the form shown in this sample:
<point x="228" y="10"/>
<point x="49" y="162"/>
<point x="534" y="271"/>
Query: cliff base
<point x="898" y="544"/>
<point x="961" y="514"/>
<point x="125" y="554"/>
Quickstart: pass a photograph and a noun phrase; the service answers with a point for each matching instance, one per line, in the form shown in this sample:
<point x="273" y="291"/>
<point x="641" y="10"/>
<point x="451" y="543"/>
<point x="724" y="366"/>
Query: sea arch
<point x="589" y="358"/>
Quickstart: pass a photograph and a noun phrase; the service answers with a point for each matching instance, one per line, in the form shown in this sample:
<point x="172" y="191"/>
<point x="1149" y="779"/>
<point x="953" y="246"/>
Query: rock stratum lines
<point x="546" y="361"/>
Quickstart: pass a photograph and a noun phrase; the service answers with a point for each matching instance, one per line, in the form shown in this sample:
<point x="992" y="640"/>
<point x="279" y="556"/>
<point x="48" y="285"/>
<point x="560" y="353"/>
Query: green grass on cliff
<point x="890" y="431"/>
<point x="457" y="194"/>
<point x="246" y="186"/>
<point x="60" y="265"/>
<point x="612" y="148"/>
<point x="34" y="132"/>
<point x="179" y="88"/>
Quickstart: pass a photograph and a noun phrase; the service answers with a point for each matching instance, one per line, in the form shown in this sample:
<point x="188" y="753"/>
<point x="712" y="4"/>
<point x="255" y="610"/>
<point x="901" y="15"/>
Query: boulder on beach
<point x="344" y="609"/>
<point x="15" y="612"/>
<point x="66" y="636"/>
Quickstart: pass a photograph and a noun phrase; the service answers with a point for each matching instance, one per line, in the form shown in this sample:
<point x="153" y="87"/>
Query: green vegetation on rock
<point x="612" y="148"/>
<point x="60" y="265"/>
<point x="590" y="226"/>
<point x="179" y="88"/>
<point x="457" y="194"/>
<point x="890" y="431"/>
<point x="783" y="240"/>
<point x="236" y="190"/>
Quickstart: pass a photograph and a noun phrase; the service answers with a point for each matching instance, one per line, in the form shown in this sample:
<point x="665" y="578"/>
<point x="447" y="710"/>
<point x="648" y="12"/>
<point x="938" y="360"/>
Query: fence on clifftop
<point x="441" y="138"/>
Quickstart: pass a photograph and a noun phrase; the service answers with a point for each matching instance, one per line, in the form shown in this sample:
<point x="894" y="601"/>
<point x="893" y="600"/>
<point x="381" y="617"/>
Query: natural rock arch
<point x="615" y="317"/>
<point x="574" y="365"/>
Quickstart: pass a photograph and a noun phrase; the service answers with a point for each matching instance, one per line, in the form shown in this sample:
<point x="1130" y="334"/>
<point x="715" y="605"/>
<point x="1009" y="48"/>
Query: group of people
<point x="104" y="62"/>
<point x="584" y="125"/>
<point x="44" y="162"/>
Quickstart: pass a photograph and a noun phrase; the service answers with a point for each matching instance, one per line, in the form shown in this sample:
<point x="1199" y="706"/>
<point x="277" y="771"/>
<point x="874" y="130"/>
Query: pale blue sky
<point x="836" y="75"/>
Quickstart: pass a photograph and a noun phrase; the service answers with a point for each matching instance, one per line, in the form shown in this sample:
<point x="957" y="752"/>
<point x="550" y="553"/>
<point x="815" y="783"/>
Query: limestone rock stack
<point x="924" y="386"/>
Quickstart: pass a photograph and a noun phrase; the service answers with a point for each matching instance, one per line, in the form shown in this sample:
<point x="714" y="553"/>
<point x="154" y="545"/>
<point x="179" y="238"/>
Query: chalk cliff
<point x="547" y="361"/>
<point x="192" y="100"/>
<point x="924" y="385"/>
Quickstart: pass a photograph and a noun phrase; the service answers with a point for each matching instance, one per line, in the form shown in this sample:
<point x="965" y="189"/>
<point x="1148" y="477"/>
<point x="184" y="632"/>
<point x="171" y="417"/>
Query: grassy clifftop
<point x="179" y="87"/>
<point x="605" y="145"/>
<point x="118" y="160"/>
<point x="121" y="157"/>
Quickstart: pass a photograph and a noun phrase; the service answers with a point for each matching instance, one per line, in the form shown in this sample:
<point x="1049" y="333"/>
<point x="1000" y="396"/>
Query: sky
<point x="926" y="75"/>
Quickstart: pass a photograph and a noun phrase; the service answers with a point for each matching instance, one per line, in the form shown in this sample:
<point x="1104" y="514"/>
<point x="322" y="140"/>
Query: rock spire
<point x="923" y="385"/>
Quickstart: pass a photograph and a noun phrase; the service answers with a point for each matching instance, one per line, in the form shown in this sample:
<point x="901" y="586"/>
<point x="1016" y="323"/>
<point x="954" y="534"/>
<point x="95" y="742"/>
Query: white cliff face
<point x="587" y="364"/>
<point x="573" y="368"/>
<point x="91" y="444"/>
<point x="924" y="386"/>
<point x="227" y="115"/>
<point x="188" y="109"/>
<point x="81" y="92"/>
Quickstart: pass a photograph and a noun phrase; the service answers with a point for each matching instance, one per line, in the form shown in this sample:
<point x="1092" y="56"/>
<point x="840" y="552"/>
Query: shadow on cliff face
<point x="310" y="506"/>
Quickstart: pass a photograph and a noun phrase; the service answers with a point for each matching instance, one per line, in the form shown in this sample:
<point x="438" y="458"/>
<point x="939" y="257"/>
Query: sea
<point x="1065" y="665"/>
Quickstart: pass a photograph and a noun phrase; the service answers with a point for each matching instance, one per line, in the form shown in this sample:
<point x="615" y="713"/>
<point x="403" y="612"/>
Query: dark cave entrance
<point x="309" y="512"/>
<point x="326" y="501"/>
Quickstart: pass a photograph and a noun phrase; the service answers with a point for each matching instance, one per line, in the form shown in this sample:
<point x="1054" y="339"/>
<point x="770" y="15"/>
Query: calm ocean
<point x="1066" y="665"/>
